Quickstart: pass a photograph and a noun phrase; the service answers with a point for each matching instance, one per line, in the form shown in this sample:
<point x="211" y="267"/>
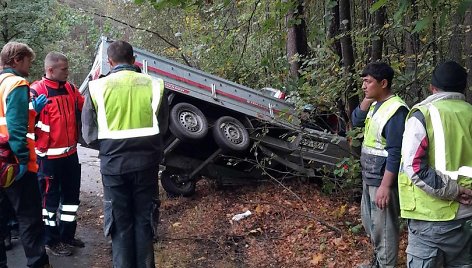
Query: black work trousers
<point x="128" y="207"/>
<point x="25" y="199"/>
<point x="59" y="181"/>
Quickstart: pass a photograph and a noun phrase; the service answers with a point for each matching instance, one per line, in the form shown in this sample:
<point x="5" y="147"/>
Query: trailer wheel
<point x="230" y="134"/>
<point x="174" y="184"/>
<point x="187" y="122"/>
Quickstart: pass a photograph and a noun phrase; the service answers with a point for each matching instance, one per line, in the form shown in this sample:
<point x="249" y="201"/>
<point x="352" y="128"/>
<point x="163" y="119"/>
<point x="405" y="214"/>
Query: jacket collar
<point x="123" y="67"/>
<point x="441" y="96"/>
<point x="53" y="83"/>
<point x="11" y="71"/>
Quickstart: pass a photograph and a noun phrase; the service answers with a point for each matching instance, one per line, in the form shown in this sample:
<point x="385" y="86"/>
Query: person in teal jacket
<point x="17" y="123"/>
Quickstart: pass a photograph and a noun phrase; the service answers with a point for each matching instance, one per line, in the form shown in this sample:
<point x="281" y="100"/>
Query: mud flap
<point x="108" y="217"/>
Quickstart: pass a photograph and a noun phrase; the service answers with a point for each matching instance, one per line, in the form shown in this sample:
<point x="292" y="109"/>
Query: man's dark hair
<point x="121" y="52"/>
<point x="379" y="71"/>
<point x="450" y="76"/>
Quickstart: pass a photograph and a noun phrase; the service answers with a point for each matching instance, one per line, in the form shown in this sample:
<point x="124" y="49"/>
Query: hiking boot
<point x="7" y="241"/>
<point x="59" y="249"/>
<point x="15" y="233"/>
<point x="75" y="242"/>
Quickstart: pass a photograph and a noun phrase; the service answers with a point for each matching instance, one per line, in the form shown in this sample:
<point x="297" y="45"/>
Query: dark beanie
<point x="450" y="76"/>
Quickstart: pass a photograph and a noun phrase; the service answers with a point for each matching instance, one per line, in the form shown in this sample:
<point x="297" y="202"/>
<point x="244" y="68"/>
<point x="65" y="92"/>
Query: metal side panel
<point x="206" y="87"/>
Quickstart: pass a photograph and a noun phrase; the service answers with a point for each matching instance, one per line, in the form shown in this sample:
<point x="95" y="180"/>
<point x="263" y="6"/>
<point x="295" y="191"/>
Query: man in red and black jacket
<point x="56" y="147"/>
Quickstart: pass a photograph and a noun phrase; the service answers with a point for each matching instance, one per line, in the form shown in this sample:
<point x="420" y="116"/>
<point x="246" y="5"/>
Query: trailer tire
<point x="230" y="134"/>
<point x="171" y="184"/>
<point x="187" y="122"/>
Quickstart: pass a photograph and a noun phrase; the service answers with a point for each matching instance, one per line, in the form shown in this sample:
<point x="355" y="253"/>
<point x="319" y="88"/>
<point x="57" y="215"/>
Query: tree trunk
<point x="455" y="43"/>
<point x="412" y="46"/>
<point x="468" y="51"/>
<point x="348" y="53"/>
<point x="377" y="41"/>
<point x="333" y="31"/>
<point x="297" y="43"/>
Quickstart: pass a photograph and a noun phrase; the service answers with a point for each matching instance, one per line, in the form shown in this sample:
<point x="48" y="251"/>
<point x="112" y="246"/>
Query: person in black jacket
<point x="126" y="113"/>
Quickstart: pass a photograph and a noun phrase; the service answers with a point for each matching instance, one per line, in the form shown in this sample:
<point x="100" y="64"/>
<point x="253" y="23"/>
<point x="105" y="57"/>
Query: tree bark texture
<point x="378" y="40"/>
<point x="468" y="51"/>
<point x="333" y="31"/>
<point x="296" y="37"/>
<point x="455" y="43"/>
<point x="348" y="53"/>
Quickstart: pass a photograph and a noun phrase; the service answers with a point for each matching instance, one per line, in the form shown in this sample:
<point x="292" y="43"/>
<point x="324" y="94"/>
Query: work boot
<point x="14" y="232"/>
<point x="59" y="249"/>
<point x="75" y="242"/>
<point x="7" y="241"/>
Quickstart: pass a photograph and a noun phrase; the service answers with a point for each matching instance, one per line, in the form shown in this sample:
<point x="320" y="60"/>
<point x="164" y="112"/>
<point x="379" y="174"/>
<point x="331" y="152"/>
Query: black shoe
<point x="75" y="242"/>
<point x="59" y="249"/>
<point x="8" y="244"/>
<point x="15" y="234"/>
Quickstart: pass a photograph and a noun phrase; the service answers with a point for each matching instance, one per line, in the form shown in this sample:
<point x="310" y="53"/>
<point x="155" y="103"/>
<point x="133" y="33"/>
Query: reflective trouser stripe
<point x="69" y="218"/>
<point x="49" y="218"/>
<point x="49" y="223"/>
<point x="69" y="208"/>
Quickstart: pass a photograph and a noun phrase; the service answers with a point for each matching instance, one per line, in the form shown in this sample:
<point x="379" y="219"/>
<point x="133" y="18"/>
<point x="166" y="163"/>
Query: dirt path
<point x="96" y="253"/>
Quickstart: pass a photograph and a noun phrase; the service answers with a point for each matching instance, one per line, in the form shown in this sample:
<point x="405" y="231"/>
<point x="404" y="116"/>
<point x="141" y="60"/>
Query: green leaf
<point x="420" y="25"/>
<point x="375" y="6"/>
<point x="401" y="10"/>
<point x="463" y="6"/>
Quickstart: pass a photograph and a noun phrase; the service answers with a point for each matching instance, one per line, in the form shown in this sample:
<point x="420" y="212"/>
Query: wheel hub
<point x="232" y="133"/>
<point x="189" y="121"/>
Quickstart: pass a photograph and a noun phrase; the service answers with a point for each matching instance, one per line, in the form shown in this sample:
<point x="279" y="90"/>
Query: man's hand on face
<point x="365" y="104"/>
<point x="465" y="196"/>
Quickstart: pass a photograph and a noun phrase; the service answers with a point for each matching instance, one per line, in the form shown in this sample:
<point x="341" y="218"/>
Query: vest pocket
<point x="406" y="192"/>
<point x="373" y="167"/>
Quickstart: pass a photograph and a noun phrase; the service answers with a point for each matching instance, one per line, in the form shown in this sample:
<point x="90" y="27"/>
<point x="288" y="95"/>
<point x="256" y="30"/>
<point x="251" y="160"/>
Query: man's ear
<point x="15" y="62"/>
<point x="384" y="83"/>
<point x="110" y="61"/>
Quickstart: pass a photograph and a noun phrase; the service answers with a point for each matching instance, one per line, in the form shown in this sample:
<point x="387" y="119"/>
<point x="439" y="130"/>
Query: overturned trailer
<point x="226" y="131"/>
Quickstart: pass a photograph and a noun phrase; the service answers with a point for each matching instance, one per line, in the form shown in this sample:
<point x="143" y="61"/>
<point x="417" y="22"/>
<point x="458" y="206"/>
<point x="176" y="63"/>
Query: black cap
<point x="450" y="76"/>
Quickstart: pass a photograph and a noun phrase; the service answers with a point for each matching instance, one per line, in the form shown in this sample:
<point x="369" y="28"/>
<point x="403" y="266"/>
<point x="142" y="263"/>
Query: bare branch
<point x="142" y="29"/>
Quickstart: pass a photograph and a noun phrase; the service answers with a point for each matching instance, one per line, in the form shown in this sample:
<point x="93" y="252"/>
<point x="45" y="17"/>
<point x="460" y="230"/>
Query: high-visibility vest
<point x="449" y="131"/>
<point x="374" y="143"/>
<point x="8" y="84"/>
<point x="126" y="103"/>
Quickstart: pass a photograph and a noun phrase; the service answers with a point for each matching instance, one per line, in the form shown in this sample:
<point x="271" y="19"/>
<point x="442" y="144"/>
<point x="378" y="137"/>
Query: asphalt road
<point x="91" y="233"/>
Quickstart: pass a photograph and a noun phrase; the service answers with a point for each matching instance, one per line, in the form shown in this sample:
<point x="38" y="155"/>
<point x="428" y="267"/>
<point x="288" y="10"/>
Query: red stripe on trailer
<point x="219" y="92"/>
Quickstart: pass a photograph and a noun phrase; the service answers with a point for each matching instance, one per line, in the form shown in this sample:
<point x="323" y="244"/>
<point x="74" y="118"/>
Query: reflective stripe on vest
<point x="111" y="127"/>
<point x="374" y="143"/>
<point x="445" y="156"/>
<point x="55" y="151"/>
<point x="440" y="147"/>
<point x="10" y="82"/>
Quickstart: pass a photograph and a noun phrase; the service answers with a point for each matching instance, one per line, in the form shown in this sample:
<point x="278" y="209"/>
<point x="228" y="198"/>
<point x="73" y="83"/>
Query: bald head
<point x="56" y="66"/>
